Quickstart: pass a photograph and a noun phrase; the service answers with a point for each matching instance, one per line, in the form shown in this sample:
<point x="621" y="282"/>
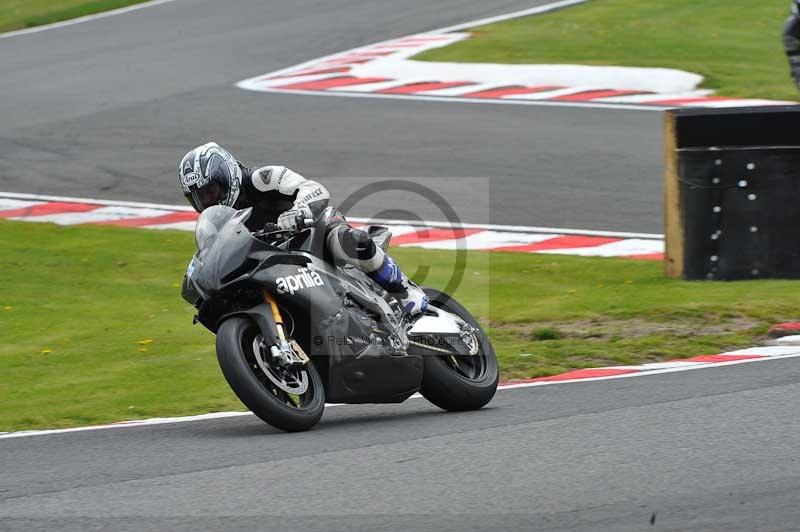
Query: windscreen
<point x="210" y="222"/>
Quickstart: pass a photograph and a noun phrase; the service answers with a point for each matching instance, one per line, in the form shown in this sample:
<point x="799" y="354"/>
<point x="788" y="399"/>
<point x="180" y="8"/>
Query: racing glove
<point x="295" y="219"/>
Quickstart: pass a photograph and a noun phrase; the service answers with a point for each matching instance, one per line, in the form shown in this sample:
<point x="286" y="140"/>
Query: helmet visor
<point x="211" y="194"/>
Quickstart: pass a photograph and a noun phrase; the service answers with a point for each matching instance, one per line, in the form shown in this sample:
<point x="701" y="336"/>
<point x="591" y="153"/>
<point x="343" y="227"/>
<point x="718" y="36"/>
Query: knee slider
<point x="353" y="243"/>
<point x="356" y="243"/>
<point x="363" y="242"/>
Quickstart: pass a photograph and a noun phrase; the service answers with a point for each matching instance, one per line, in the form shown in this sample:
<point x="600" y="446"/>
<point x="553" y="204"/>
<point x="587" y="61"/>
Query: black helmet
<point x="210" y="175"/>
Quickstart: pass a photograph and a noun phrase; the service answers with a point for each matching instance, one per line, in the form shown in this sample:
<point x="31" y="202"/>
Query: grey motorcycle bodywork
<point x="339" y="319"/>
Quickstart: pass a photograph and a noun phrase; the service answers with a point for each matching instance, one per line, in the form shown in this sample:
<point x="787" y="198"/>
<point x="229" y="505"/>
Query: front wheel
<point x="452" y="380"/>
<point x="288" y="398"/>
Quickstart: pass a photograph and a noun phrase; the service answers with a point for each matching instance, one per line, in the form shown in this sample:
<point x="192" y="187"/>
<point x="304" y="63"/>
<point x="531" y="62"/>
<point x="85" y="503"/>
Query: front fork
<point x="282" y="351"/>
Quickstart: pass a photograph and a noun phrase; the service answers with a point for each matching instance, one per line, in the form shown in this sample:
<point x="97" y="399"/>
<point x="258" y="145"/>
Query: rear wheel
<point x="290" y="398"/>
<point x="453" y="380"/>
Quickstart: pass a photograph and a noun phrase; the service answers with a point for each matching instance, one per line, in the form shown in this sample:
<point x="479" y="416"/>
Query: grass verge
<point x="19" y="14"/>
<point x="735" y="44"/>
<point x="93" y="330"/>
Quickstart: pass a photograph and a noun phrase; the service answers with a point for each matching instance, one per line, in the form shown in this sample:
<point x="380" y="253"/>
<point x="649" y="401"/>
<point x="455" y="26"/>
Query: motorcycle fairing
<point x="340" y="338"/>
<point x="335" y="315"/>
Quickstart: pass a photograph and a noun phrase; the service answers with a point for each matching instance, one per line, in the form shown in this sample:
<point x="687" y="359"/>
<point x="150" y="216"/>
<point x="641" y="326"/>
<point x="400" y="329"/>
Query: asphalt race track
<point x="709" y="450"/>
<point x="105" y="108"/>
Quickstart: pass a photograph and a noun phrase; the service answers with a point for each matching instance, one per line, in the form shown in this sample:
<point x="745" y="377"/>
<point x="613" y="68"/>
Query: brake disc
<point x="297" y="385"/>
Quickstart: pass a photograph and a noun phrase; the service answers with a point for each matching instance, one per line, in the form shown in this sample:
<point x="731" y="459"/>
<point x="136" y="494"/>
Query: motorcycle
<point x="294" y="330"/>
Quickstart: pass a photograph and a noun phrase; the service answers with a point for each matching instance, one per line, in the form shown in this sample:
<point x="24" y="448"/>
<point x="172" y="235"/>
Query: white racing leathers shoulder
<point x="288" y="182"/>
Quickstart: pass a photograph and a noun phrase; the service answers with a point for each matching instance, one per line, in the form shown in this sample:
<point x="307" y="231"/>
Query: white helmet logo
<point x="190" y="179"/>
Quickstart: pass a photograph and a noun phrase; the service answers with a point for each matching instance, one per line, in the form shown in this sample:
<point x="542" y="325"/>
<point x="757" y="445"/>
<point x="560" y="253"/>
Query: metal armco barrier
<point x="732" y="193"/>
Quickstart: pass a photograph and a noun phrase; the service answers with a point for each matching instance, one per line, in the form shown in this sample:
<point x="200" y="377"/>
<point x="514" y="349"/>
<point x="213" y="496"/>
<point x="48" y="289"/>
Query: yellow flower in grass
<point x="46" y="351"/>
<point x="146" y="341"/>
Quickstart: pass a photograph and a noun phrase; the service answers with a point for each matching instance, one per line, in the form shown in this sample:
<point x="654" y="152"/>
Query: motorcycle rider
<point x="211" y="175"/>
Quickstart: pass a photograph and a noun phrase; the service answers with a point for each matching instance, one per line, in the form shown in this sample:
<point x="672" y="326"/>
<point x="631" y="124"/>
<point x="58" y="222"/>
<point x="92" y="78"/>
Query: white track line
<point x="383" y="221"/>
<point x="245" y="85"/>
<point x="86" y="18"/>
<point x="221" y="415"/>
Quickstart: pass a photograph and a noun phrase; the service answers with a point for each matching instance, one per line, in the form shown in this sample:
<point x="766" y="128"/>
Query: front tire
<point x="443" y="382"/>
<point x="235" y="352"/>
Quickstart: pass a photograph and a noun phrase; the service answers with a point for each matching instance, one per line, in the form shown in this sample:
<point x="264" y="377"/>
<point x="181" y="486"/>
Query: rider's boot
<point x="411" y="297"/>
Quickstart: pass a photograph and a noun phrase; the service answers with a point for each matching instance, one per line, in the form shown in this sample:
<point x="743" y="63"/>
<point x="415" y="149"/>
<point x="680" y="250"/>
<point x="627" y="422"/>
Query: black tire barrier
<point x="732" y="193"/>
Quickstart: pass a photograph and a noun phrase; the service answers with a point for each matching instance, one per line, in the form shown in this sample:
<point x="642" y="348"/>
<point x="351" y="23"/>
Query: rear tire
<point x="233" y="338"/>
<point x="444" y="386"/>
